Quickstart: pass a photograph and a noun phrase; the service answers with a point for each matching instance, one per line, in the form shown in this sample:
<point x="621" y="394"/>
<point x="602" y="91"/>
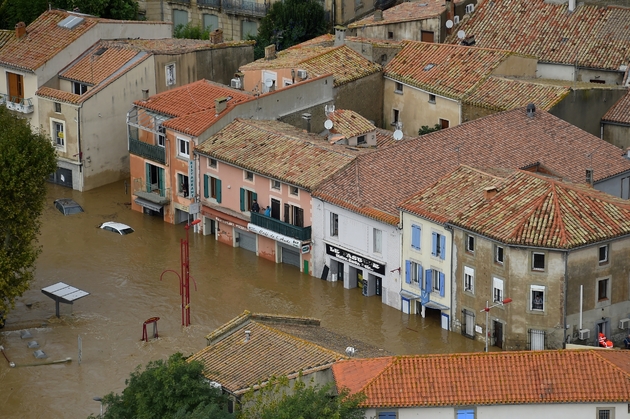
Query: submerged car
<point x="118" y="228"/>
<point x="67" y="206"/>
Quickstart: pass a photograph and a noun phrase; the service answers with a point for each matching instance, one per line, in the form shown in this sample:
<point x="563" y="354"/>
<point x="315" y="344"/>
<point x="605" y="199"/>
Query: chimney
<point x="489" y="192"/>
<point x="220" y="104"/>
<point x="216" y="36"/>
<point x="340" y="35"/>
<point x="531" y="110"/>
<point x="589" y="176"/>
<point x="248" y="334"/>
<point x="571" y="5"/>
<point x="20" y="30"/>
<point x="450" y="15"/>
<point x="307" y="121"/>
<point x="145" y="94"/>
<point x="270" y="52"/>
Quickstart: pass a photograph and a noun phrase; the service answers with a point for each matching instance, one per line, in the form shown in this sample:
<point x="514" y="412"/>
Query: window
<point x="247" y="198"/>
<point x="537" y="298"/>
<point x="399" y="87"/>
<point x="210" y="22"/>
<point x="444" y="123"/>
<point x="180" y="17"/>
<point x="170" y="74"/>
<point x="275" y="184"/>
<point x="431" y="98"/>
<point x="161" y="135"/>
<point x="538" y="261"/>
<point x="396" y="118"/>
<point x="413" y="273"/>
<point x="606" y="413"/>
<point x="182" y="185"/>
<point x="465" y="414"/>
<point x="377" y="237"/>
<point x="16" y="87"/>
<point x="470" y="8"/>
<point x="469" y="279"/>
<point x="415" y="236"/>
<point x="438" y="281"/>
<point x="212" y="188"/>
<point x="497" y="290"/>
<point x="438" y="248"/>
<point x="361" y="140"/>
<point x="390" y="35"/>
<point x="603" y="254"/>
<point x="293" y="190"/>
<point x="498" y="254"/>
<point x="334" y="224"/>
<point x="537" y="340"/>
<point x="470" y="244"/>
<point x="602" y="289"/>
<point x="293" y="215"/>
<point x="249" y="176"/>
<point x="248" y="28"/>
<point x="78" y="88"/>
<point x="57" y="107"/>
<point x="183" y="147"/>
<point x="57" y="132"/>
<point x="427" y="36"/>
<point x="468" y="323"/>
<point x="212" y="163"/>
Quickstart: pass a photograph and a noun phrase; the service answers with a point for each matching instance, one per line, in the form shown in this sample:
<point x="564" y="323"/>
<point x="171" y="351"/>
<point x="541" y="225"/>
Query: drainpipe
<point x="564" y="311"/>
<point x="80" y="154"/>
<point x="453" y="309"/>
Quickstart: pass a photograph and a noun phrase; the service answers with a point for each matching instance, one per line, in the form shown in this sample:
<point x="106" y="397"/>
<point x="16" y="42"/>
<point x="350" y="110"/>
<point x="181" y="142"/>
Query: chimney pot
<point x="340" y="35"/>
<point x="248" y="335"/>
<point x="145" y="94"/>
<point x="216" y="36"/>
<point x="531" y="110"/>
<point x="307" y="121"/>
<point x="489" y="192"/>
<point x="20" y="30"/>
<point x="270" y="52"/>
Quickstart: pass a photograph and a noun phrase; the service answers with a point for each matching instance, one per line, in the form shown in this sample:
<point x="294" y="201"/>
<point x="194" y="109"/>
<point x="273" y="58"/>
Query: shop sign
<point x="306" y="248"/>
<point x="191" y="177"/>
<point x="275" y="236"/>
<point x="361" y="261"/>
<point x="180" y="207"/>
<point x="231" y="224"/>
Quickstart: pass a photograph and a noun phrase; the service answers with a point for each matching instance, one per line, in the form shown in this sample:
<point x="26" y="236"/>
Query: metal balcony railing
<point x="280" y="227"/>
<point x="244" y="7"/>
<point x="209" y="3"/>
<point x="151" y="191"/>
<point x="148" y="151"/>
<point x="18" y="104"/>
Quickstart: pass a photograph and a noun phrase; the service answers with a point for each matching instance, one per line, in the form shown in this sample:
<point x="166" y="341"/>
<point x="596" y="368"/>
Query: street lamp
<point x="99" y="399"/>
<point x="487" y="310"/>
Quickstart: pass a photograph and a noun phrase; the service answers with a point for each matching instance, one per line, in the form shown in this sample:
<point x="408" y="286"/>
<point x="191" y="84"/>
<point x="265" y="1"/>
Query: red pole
<point x="187" y="278"/>
<point x="182" y="256"/>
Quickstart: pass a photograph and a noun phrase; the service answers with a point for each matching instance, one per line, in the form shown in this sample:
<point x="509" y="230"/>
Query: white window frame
<point x="607" y="250"/>
<point x="497" y="285"/>
<point x="183" y="141"/>
<point x="469" y="280"/>
<point x="248" y="176"/>
<point x="170" y="74"/>
<point x="536" y="288"/>
<point x="81" y="87"/>
<point x="334" y="224"/>
<point x="414" y="274"/>
<point x="435" y="281"/>
<point x="398" y="87"/>
<point x="276" y="185"/>
<point x="54" y="134"/>
<point x="534" y="268"/>
<point x="468" y="240"/>
<point x="212" y="163"/>
<point x="57" y="106"/>
<point x="605" y="413"/>
<point x="294" y="190"/>
<point x="496" y="254"/>
<point x="160" y="136"/>
<point x="377" y="240"/>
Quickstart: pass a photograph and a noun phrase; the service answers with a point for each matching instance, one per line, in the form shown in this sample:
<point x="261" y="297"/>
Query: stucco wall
<point x="411" y="30"/>
<point x="364" y="96"/>
<point x="615" y="185"/>
<point x="516" y="66"/>
<point x="614" y="78"/>
<point x="618" y="135"/>
<point x="555" y="71"/>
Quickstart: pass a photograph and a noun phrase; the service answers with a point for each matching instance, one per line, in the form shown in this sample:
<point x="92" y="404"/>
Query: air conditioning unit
<point x="456" y="19"/>
<point x="235" y="83"/>
<point x="585" y="334"/>
<point x="470" y="8"/>
<point x="302" y="74"/>
<point x="624" y="323"/>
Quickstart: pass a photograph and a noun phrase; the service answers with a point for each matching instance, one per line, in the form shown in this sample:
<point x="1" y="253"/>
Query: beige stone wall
<point x="517" y="66"/>
<point x="364" y="96"/>
<point x="618" y="135"/>
<point x="401" y="31"/>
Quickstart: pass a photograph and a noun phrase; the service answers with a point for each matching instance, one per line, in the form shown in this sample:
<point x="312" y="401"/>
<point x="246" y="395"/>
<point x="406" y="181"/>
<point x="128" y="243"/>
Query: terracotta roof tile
<point x="277" y="150"/>
<point x="500" y="378"/>
<point x="93" y="67"/>
<point x="448" y="70"/>
<point x="288" y="58"/>
<point x="174" y="45"/>
<point x="349" y="123"/>
<point x="58" y="95"/>
<point x="502" y="94"/>
<point x="372" y="183"/>
<point x="590" y="36"/>
<point x="404" y="12"/>
<point x="355" y="375"/>
<point x="620" y="111"/>
<point x="5" y="36"/>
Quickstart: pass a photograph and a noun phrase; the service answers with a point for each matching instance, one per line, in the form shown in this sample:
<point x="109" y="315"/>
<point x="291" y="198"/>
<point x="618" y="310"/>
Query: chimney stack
<point x="248" y="335"/>
<point x="340" y="35"/>
<point x="531" y="110"/>
<point x="589" y="176"/>
<point x="220" y="104"/>
<point x="571" y="5"/>
<point x="270" y="52"/>
<point x="216" y="36"/>
<point x="489" y="192"/>
<point x="378" y="15"/>
<point x="20" y="30"/>
<point x="307" y="121"/>
<point x="145" y="94"/>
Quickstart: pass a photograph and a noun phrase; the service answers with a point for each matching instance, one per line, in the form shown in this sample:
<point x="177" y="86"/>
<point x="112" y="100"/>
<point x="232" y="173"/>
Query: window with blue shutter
<point x="206" y="188"/>
<point x="429" y="280"/>
<point x="243" y="200"/>
<point x="442" y="247"/>
<point x="387" y="415"/>
<point x="420" y="272"/>
<point x="408" y="271"/>
<point x="218" y="183"/>
<point x="148" y="179"/>
<point x="465" y="414"/>
<point x="442" y="278"/>
<point x="415" y="236"/>
<point x="434" y="244"/>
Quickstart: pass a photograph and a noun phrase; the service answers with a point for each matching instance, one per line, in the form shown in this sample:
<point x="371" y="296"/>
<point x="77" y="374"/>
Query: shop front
<point x="355" y="271"/>
<point x="288" y="250"/>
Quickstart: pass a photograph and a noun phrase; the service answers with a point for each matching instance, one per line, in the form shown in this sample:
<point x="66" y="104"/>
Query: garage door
<point x="291" y="256"/>
<point x="62" y="177"/>
<point x="247" y="241"/>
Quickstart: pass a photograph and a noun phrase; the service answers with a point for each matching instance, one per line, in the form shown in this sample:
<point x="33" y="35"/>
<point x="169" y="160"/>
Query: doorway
<point x="275" y="209"/>
<point x="498" y="334"/>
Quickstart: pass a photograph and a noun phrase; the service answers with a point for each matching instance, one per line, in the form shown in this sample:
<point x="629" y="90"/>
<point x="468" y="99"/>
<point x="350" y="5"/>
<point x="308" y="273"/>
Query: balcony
<point x="151" y="192"/>
<point x="209" y="3"/>
<point x="146" y="150"/>
<point x="18" y="104"/>
<point x="280" y="227"/>
<point x="244" y="7"/>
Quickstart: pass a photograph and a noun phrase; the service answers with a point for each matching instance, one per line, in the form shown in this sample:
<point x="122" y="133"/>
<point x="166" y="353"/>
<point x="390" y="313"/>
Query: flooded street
<point x="122" y="275"/>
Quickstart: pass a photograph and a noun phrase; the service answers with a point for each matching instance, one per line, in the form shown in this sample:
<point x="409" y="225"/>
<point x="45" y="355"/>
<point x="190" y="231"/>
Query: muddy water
<point x="122" y="275"/>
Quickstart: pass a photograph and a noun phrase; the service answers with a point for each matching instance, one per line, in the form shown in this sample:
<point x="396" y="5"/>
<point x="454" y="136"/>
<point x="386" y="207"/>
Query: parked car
<point x="118" y="228"/>
<point x="67" y="206"/>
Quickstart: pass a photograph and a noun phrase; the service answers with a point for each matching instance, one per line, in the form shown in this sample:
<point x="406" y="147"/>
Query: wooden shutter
<point x="243" y="200"/>
<point x="408" y="271"/>
<point x="442" y="278"/>
<point x="218" y="187"/>
<point x="442" y="247"/>
<point x="299" y="217"/>
<point x="206" y="189"/>
<point x="429" y="280"/>
<point x="434" y="244"/>
<point x="415" y="237"/>
<point x="287" y="213"/>
<point x="148" y="179"/>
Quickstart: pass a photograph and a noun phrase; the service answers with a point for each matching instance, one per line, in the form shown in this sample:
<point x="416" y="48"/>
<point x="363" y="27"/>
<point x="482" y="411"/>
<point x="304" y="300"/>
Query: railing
<point x="180" y="1"/>
<point x="210" y="3"/>
<point x="16" y="103"/>
<point x="251" y="8"/>
<point x="280" y="227"/>
<point x="148" y="151"/>
<point x="151" y="192"/>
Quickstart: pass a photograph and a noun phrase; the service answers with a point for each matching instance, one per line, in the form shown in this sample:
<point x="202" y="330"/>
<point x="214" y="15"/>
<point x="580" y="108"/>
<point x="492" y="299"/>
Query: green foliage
<point x="26" y="160"/>
<point x="425" y="129"/>
<point x="14" y="11"/>
<point x="188" y="31"/>
<point x="279" y="400"/>
<point x="288" y="23"/>
<point x="167" y="389"/>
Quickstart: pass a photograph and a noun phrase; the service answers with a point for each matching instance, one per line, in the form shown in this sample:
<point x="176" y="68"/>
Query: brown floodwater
<point x="122" y="275"/>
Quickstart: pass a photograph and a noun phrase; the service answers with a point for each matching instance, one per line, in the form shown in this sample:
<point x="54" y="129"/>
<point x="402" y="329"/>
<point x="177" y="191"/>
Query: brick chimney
<point x="378" y="15"/>
<point x="20" y="30"/>
<point x="489" y="192"/>
<point x="270" y="52"/>
<point x="216" y="36"/>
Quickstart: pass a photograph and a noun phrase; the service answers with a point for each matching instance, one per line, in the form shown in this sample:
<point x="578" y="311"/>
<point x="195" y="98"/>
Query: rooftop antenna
<point x="461" y="34"/>
<point x="398" y="134"/>
<point x="449" y="24"/>
<point x="328" y="124"/>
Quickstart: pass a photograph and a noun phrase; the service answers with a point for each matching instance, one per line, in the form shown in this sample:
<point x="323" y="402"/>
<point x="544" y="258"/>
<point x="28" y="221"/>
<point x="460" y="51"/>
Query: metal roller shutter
<point x="247" y="241"/>
<point x="291" y="256"/>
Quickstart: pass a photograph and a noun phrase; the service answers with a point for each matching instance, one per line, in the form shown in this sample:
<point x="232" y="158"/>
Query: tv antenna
<point x="449" y="24"/>
<point x="328" y="124"/>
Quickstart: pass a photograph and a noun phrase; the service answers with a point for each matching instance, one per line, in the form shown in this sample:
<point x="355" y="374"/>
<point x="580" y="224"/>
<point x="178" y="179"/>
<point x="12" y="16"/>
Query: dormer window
<point x="361" y="140"/>
<point x="79" y="88"/>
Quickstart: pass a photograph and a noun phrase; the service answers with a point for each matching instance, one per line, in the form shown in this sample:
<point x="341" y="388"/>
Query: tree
<point x="167" y="389"/>
<point x="288" y="23"/>
<point x="188" y="31"/>
<point x="26" y="160"/>
<point x="279" y="400"/>
<point x="425" y="129"/>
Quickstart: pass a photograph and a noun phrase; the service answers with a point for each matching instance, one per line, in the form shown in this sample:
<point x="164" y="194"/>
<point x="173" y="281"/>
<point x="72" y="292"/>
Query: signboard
<point x="191" y="178"/>
<point x="275" y="236"/>
<point x="361" y="261"/>
<point x="306" y="248"/>
<point x="195" y="208"/>
<point x="478" y="329"/>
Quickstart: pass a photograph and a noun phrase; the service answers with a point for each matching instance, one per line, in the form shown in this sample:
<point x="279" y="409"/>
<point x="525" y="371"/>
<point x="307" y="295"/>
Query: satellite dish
<point x="268" y="82"/>
<point x="461" y="34"/>
<point x="398" y="135"/>
<point x="449" y="24"/>
<point x="328" y="124"/>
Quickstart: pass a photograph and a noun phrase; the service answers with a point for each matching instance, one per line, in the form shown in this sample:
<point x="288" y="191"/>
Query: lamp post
<point x="100" y="400"/>
<point x="487" y="310"/>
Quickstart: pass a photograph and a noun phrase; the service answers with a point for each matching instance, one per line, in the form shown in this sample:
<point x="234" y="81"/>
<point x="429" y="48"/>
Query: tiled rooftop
<point x="60" y="95"/>
<point x="404" y="12"/>
<point x="448" y="70"/>
<point x="174" y="45"/>
<point x="498" y="378"/>
<point x="277" y="150"/>
<point x="349" y="123"/>
<point x="620" y="111"/>
<point x="5" y="36"/>
<point x="590" y="36"/>
<point x="501" y="94"/>
<point x="289" y="57"/>
<point x="99" y="63"/>
<point x="371" y="184"/>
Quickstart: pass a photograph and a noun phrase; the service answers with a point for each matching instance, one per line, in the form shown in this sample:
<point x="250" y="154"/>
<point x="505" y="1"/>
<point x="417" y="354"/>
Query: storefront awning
<point x="436" y="306"/>
<point x="148" y="204"/>
<point x="409" y="295"/>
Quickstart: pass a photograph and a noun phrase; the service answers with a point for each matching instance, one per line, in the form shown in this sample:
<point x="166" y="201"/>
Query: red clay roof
<point x="499" y="378"/>
<point x="590" y="36"/>
<point x="92" y="69"/>
<point x="5" y="36"/>
<point x="372" y="183"/>
<point x="349" y="123"/>
<point x="620" y="111"/>
<point x="404" y="12"/>
<point x="448" y="70"/>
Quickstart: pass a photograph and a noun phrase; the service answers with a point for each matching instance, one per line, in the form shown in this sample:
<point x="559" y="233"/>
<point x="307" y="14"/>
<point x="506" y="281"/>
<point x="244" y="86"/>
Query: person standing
<point x="268" y="211"/>
<point x="255" y="206"/>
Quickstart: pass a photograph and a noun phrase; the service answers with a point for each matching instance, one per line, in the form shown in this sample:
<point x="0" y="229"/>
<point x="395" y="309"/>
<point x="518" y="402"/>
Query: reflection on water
<point x="122" y="275"/>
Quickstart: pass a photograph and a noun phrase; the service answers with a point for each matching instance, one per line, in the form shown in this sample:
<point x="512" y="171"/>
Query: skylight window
<point x="428" y="67"/>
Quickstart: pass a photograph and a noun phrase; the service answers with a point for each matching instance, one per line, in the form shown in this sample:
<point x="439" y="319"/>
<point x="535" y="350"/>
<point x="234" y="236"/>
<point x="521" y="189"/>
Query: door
<point x="247" y="241"/>
<point x="290" y="256"/>
<point x="405" y="306"/>
<point x="427" y="36"/>
<point x="498" y="334"/>
<point x="379" y="285"/>
<point x="275" y="209"/>
<point x="62" y="177"/>
<point x="339" y="271"/>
